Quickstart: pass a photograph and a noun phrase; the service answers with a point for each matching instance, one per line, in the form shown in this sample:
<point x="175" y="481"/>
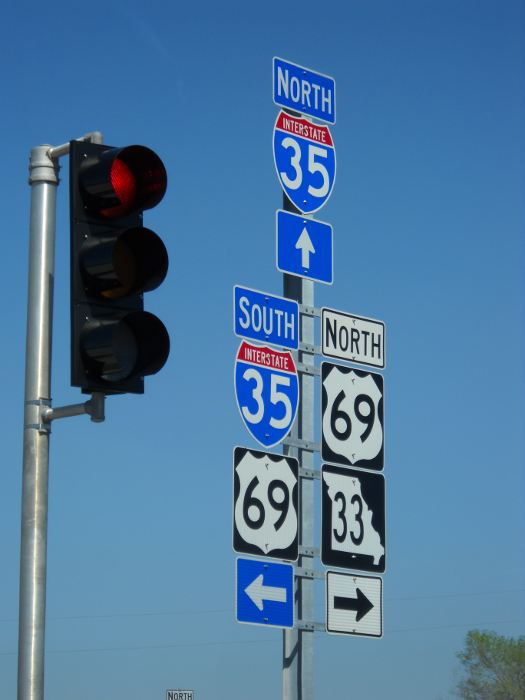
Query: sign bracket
<point x="301" y="572"/>
<point x="307" y="310"/>
<point x="312" y="349"/>
<point x="302" y="444"/>
<point x="309" y="473"/>
<point x="305" y="626"/>
<point x="308" y="369"/>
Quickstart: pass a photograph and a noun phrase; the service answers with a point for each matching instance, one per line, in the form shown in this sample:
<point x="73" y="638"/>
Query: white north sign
<point x="353" y="338"/>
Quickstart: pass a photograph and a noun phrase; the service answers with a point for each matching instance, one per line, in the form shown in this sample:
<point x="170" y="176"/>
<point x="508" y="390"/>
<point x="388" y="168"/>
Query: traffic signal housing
<point x="115" y="343"/>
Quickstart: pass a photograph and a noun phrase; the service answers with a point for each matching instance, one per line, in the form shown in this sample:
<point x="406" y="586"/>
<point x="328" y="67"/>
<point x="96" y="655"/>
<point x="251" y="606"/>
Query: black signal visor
<point x="136" y="345"/>
<point x="133" y="262"/>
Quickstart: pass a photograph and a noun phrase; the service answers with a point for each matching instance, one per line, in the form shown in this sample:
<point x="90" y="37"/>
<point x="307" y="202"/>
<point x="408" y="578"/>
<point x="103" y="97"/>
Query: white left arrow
<point x="257" y="592"/>
<point x="304" y="244"/>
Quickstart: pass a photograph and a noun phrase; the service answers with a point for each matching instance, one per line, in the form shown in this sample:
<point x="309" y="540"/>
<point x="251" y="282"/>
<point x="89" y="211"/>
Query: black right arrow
<point x="361" y="604"/>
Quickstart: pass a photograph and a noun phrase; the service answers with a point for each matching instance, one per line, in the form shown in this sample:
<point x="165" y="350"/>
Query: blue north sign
<point x="303" y="90"/>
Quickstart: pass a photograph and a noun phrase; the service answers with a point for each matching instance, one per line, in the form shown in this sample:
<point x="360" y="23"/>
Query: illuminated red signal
<point x="124" y="186"/>
<point x="114" y="261"/>
<point x="122" y="181"/>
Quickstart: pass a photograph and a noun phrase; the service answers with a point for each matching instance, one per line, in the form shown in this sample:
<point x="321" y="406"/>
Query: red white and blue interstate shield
<point x="304" y="156"/>
<point x="267" y="392"/>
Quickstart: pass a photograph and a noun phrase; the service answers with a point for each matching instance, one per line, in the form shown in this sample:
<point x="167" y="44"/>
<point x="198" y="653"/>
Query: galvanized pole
<point x="43" y="178"/>
<point x="38" y="414"/>
<point x="298" y="644"/>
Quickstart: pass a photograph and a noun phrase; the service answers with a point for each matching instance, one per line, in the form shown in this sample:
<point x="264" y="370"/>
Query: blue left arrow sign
<point x="264" y="317"/>
<point x="264" y="593"/>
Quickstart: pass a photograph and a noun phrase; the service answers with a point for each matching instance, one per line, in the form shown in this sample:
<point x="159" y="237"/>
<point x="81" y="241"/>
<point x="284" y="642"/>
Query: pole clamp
<point x="33" y="415"/>
<point x="302" y="444"/>
<point x="307" y="626"/>
<point x="309" y="473"/>
<point x="309" y="348"/>
<point x="42" y="168"/>
<point x="309" y="310"/>
<point x="302" y="572"/>
<point x="308" y="369"/>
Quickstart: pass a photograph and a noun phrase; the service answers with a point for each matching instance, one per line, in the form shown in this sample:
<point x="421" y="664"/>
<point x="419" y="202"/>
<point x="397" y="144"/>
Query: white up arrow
<point x="304" y="244"/>
<point x="257" y="592"/>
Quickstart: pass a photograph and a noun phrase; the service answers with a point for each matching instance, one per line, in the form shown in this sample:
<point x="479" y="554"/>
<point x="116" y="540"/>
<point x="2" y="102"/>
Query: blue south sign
<point x="267" y="392"/>
<point x="265" y="317"/>
<point x="304" y="157"/>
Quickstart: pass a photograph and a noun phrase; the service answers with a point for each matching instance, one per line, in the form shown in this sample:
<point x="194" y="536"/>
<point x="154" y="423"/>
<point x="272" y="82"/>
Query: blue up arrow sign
<point x="264" y="593"/>
<point x="304" y="247"/>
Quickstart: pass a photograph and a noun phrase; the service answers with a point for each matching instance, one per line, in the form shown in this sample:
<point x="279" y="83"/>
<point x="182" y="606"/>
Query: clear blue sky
<point x="428" y="215"/>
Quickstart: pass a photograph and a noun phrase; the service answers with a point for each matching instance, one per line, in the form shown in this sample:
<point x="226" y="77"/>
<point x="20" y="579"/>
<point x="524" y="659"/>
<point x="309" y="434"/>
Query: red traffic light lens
<point x="122" y="181"/>
<point x="124" y="186"/>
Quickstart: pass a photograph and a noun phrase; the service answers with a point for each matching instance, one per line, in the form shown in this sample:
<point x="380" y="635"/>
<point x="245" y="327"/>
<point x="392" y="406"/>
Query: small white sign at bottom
<point x="354" y="604"/>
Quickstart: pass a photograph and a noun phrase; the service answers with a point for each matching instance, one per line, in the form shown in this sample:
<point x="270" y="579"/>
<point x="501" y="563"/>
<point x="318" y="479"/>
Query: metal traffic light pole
<point x="38" y="414"/>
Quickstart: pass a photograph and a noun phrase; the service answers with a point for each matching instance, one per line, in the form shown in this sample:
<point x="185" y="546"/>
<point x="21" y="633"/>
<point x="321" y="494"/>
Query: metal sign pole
<point x="297" y="140"/>
<point x="298" y="644"/>
<point x="43" y="179"/>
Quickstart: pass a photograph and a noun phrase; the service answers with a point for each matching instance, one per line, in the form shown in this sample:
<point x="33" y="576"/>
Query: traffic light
<point x="114" y="260"/>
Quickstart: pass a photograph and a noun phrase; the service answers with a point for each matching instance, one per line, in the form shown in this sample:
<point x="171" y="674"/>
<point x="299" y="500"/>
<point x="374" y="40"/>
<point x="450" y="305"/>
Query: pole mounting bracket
<point x="94" y="408"/>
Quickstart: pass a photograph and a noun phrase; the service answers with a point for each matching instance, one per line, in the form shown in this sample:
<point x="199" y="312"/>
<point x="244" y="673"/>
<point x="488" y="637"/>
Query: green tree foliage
<point x="494" y="667"/>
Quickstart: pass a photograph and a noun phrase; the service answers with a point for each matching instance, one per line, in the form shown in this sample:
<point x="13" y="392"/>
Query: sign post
<point x="304" y="156"/>
<point x="298" y="644"/>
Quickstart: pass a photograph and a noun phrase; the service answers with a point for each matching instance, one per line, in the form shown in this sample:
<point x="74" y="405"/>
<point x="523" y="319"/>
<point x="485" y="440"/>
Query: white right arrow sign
<point x="354" y="604"/>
